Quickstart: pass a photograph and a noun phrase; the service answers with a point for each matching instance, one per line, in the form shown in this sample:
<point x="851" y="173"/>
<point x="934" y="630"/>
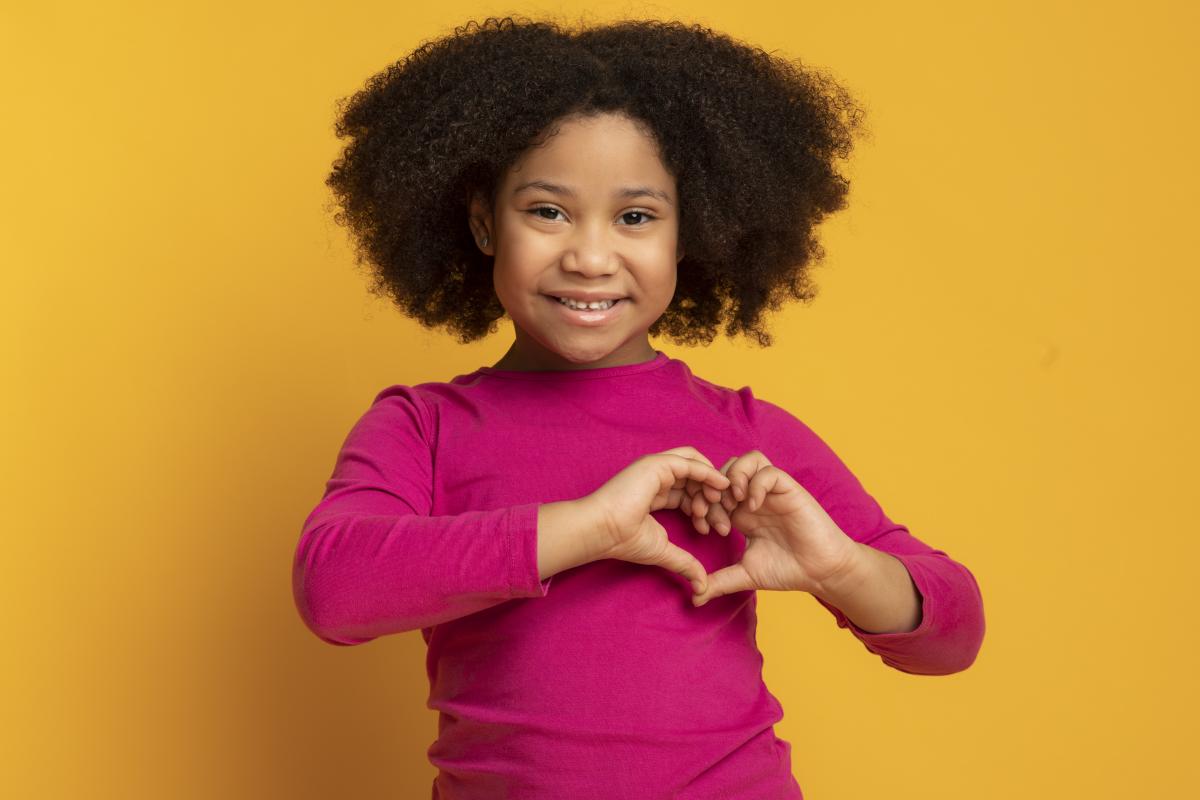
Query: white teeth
<point x="596" y="306"/>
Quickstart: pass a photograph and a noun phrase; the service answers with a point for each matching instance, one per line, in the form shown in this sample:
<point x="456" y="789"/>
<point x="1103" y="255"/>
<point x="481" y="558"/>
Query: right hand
<point x="653" y="482"/>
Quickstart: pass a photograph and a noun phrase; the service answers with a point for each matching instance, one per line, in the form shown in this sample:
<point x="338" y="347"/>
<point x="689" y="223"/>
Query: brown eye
<point x="644" y="215"/>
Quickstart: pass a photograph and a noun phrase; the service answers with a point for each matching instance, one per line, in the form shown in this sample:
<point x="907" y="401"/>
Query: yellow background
<point x="1003" y="351"/>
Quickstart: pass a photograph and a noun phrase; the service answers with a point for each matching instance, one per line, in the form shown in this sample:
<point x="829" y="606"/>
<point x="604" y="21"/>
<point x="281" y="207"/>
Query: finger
<point x="724" y="497"/>
<point x="680" y="561"/>
<point x="726" y="580"/>
<point x="728" y="501"/>
<point x="718" y="518"/>
<point x="716" y="515"/>
<point x="675" y="470"/>
<point x="690" y="489"/>
<point x="695" y="505"/>
<point x="701" y="470"/>
<point x="741" y="473"/>
<point x="676" y="498"/>
<point x="698" y="512"/>
<point x="689" y="452"/>
<point x="763" y="482"/>
<point x="711" y="494"/>
<point x="685" y="478"/>
<point x="738" y="474"/>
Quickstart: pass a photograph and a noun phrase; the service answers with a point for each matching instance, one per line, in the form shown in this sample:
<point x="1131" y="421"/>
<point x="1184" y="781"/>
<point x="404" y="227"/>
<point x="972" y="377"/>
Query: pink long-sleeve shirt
<point x="602" y="681"/>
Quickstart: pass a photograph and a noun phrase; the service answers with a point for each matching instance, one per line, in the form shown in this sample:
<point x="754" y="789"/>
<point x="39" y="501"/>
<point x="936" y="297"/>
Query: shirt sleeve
<point x="372" y="561"/>
<point x="950" y="633"/>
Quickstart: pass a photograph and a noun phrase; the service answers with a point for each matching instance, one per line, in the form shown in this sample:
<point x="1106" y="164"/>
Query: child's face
<point x="587" y="235"/>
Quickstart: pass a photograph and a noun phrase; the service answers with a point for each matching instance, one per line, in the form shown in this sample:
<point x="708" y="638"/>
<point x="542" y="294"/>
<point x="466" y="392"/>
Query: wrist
<point x="567" y="537"/>
<point x="596" y="539"/>
<point x="877" y="594"/>
<point x="849" y="577"/>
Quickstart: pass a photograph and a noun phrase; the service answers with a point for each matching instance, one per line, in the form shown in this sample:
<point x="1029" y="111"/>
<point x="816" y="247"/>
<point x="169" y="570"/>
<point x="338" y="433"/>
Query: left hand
<point x="791" y="543"/>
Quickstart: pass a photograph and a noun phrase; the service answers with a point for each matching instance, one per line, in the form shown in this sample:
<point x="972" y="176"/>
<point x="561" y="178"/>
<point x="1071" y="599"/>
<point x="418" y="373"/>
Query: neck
<point x="525" y="355"/>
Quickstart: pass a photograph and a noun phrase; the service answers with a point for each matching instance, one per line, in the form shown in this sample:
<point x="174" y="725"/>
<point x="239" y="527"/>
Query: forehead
<point x="593" y="154"/>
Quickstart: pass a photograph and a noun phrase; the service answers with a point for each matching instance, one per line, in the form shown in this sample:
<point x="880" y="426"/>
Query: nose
<point x="590" y="253"/>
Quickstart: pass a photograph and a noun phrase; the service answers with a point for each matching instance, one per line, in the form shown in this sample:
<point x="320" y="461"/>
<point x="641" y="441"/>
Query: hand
<point x="791" y="543"/>
<point x="653" y="482"/>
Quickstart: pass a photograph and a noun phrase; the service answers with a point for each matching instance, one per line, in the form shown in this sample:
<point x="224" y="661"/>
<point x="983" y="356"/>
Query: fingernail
<point x="738" y="493"/>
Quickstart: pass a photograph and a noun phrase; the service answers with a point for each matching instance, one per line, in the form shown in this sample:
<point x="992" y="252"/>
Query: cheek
<point x="518" y="256"/>
<point x="666" y="291"/>
<point x="504" y="282"/>
<point x="513" y="287"/>
<point x="667" y="278"/>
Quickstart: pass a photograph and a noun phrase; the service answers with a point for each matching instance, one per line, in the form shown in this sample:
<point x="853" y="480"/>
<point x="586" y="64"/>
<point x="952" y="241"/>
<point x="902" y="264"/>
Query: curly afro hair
<point x="750" y="139"/>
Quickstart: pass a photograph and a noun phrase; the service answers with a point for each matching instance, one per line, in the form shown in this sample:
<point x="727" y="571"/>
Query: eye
<point x="647" y="216"/>
<point x="644" y="216"/>
<point x="536" y="209"/>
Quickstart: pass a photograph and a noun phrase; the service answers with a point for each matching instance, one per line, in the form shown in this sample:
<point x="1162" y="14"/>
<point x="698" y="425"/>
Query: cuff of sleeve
<point x="951" y="630"/>
<point x="522" y="545"/>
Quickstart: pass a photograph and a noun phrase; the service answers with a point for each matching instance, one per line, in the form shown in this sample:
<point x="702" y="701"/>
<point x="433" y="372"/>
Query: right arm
<point x="371" y="561"/>
<point x="569" y="535"/>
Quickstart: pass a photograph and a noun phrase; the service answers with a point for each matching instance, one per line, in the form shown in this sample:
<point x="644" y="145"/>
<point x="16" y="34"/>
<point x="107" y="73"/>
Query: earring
<point x="484" y="242"/>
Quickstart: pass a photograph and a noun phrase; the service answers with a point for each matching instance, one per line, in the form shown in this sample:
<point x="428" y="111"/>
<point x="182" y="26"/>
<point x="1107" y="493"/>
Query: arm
<point x="951" y="626"/>
<point x="372" y="562"/>
<point x="877" y="594"/>
<point x="933" y="627"/>
<point x="569" y="535"/>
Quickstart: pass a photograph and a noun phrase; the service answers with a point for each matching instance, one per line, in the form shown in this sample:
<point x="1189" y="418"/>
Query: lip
<point x="585" y="297"/>
<point x="589" y="319"/>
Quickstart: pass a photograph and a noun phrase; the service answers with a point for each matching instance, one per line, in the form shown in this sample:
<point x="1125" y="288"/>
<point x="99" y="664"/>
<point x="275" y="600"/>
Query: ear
<point x="481" y="223"/>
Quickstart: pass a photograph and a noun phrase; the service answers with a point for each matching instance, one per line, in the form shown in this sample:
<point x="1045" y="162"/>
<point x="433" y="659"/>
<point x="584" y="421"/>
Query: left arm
<point x="877" y="594"/>
<point x="950" y="625"/>
<point x="909" y="603"/>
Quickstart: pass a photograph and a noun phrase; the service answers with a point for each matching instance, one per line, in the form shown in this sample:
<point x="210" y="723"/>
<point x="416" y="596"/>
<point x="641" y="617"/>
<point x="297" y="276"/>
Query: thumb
<point x="676" y="559"/>
<point x="726" y="580"/>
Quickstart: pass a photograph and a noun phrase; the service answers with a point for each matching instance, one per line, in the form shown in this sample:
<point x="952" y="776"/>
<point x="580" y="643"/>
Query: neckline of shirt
<point x="660" y="358"/>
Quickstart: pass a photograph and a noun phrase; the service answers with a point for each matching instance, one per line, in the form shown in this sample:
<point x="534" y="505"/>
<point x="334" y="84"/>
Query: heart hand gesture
<point x="653" y="482"/>
<point x="791" y="543"/>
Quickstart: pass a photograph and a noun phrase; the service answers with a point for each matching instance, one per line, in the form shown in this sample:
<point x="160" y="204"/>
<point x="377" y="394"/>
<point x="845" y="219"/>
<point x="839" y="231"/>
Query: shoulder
<point x="767" y="418"/>
<point x="787" y="440"/>
<point x="398" y="409"/>
<point x="766" y="422"/>
<point x="421" y="407"/>
<point x="725" y="400"/>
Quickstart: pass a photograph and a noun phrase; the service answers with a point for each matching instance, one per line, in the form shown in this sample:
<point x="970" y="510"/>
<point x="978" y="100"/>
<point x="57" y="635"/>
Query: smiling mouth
<point x="562" y="301"/>
<point x="589" y="316"/>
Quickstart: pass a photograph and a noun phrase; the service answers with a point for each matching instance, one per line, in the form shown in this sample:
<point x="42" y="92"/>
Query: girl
<point x="547" y="522"/>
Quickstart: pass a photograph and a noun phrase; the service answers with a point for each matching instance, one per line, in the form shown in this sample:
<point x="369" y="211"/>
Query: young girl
<point x="555" y="524"/>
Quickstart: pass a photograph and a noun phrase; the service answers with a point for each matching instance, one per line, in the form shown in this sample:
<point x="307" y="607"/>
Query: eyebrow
<point x="624" y="192"/>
